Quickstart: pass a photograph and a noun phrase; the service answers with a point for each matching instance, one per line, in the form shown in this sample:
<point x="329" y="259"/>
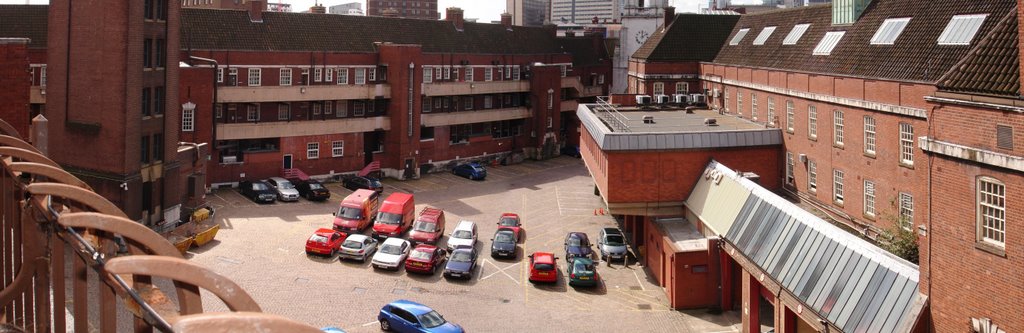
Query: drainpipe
<point x="213" y="106"/>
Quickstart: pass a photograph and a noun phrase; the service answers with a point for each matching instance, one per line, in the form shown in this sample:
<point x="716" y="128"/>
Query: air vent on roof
<point x="889" y="31"/>
<point x="648" y="119"/>
<point x="763" y="36"/>
<point x="794" y="35"/>
<point x="710" y="122"/>
<point x="739" y="36"/>
<point x="961" y="29"/>
<point x="828" y="42"/>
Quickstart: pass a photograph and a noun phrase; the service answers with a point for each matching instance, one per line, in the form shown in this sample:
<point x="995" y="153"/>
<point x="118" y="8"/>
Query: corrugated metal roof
<point x="857" y="286"/>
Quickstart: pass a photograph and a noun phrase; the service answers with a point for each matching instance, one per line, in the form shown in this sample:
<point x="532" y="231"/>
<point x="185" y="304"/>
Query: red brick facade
<point x="14" y="77"/>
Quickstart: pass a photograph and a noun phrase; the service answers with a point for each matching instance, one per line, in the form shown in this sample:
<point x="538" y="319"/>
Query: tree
<point x="899" y="238"/>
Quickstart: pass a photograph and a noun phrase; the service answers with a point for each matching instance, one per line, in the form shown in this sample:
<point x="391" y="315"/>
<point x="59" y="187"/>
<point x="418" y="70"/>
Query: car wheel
<point x="334" y="252"/>
<point x="433" y="270"/>
<point x="384" y="325"/>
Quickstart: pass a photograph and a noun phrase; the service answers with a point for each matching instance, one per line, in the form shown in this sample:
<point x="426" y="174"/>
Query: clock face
<point x="641" y="36"/>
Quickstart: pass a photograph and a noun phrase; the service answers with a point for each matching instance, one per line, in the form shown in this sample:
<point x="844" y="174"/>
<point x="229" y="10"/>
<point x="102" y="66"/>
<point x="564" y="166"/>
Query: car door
<point x="403" y="320"/>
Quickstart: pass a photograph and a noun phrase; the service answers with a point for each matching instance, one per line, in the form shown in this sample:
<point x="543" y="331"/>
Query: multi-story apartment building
<point x="583" y="11"/>
<point x="351" y="8"/>
<point x="423" y="9"/>
<point x="529" y="13"/>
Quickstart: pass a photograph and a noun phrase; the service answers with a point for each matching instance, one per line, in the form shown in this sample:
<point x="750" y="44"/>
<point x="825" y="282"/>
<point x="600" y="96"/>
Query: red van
<point x="395" y="215"/>
<point x="357" y="210"/>
<point x="428" y="227"/>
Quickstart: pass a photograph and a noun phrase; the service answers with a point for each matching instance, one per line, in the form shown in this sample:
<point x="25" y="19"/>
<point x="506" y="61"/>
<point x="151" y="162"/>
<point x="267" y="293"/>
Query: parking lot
<point x="262" y="248"/>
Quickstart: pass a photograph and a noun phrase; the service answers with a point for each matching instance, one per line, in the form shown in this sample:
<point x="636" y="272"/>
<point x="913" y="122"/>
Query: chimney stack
<point x="454" y="15"/>
<point x="256" y="9"/>
<point x="318" y="9"/>
<point x="670" y="14"/>
<point x="506" y="20"/>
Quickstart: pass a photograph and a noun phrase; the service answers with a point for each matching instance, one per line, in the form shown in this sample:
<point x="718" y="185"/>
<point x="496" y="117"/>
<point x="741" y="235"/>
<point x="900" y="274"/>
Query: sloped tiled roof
<point x="217" y="29"/>
<point x="690" y="37"/>
<point x="585" y="52"/>
<point x="915" y="55"/>
<point x="24" y="21"/>
<point x="992" y="68"/>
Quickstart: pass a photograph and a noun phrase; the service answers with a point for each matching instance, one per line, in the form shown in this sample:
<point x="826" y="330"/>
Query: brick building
<point x="420" y="9"/>
<point x="26" y="21"/>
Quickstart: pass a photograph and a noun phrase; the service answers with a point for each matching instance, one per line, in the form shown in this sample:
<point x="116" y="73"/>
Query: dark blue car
<point x="473" y="171"/>
<point x="577" y="245"/>
<point x="461" y="264"/>
<point x="409" y="316"/>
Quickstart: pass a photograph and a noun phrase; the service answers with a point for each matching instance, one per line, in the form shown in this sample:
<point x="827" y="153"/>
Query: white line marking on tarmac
<point x="368" y="324"/>
<point x="639" y="282"/>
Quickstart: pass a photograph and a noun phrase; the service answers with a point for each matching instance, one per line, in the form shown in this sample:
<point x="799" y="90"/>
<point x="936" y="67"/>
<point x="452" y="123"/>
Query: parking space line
<point x="368" y="324"/>
<point x="500" y="270"/>
<point x="640" y="283"/>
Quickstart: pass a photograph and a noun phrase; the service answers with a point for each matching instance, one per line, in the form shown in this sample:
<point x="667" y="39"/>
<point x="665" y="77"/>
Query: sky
<point x="484" y="10"/>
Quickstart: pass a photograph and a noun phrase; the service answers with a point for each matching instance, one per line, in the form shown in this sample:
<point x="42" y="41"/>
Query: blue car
<point x="409" y="316"/>
<point x="473" y="171"/>
<point x="577" y="245"/>
<point x="461" y="264"/>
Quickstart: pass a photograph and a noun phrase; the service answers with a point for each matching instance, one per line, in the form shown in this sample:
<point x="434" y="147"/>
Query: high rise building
<point x="351" y="8"/>
<point x="424" y="9"/>
<point x="530" y="13"/>
<point x="582" y="11"/>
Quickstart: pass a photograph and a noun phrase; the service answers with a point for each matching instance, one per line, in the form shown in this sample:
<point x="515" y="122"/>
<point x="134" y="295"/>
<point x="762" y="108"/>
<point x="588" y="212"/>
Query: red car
<point x="424" y="259"/>
<point x="543" y="267"/>
<point x="325" y="241"/>
<point x="511" y="221"/>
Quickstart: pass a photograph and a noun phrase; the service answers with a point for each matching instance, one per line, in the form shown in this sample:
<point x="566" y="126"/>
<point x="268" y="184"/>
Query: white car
<point x="392" y="253"/>
<point x="284" y="188"/>
<point x="464" y="236"/>
<point x="358" y="247"/>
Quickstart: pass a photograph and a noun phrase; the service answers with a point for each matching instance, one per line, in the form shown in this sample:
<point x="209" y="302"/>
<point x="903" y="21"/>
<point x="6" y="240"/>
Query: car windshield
<point x="580" y="267"/>
<point x="350" y="213"/>
<point x="508" y="221"/>
<point x="352" y="244"/>
<point x="419" y="254"/>
<point x="318" y="239"/>
<point x="391" y="249"/>
<point x="431" y="319"/>
<point x="259" y="186"/>
<point x="503" y="237"/>
<point x="461" y="256"/>
<point x="374" y="183"/>
<point x="286" y="185"/>
<point x="389" y="218"/>
<point x="477" y="169"/>
<point x="615" y="240"/>
<point x="424" y="226"/>
<point x="544" y="267"/>
<point x="315" y="186"/>
<point x="573" y="241"/>
<point x="464" y="234"/>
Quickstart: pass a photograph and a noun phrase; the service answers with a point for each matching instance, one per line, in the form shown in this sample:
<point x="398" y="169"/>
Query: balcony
<point x="471" y="117"/>
<point x="572" y="82"/>
<point x="591" y="91"/>
<point x="570" y="105"/>
<point x="38" y="95"/>
<point x="472" y="88"/>
<point x="302" y="93"/>
<point x="280" y="129"/>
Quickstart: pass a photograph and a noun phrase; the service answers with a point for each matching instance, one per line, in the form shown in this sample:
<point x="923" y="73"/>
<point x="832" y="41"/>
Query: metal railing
<point x="610" y="115"/>
<point x="47" y="213"/>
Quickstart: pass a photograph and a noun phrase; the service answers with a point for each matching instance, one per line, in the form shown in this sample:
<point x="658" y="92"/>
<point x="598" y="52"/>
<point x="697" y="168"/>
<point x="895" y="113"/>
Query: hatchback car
<point x="461" y="264"/>
<point x="503" y="244"/>
<point x="543" y="267"/>
<point x="577" y="245"/>
<point x="463" y="236"/>
<point x="472" y="171"/>
<point x="392" y="253"/>
<point x="359" y="182"/>
<point x="358" y="247"/>
<point x="324" y="241"/>
<point x="512" y="222"/>
<point x="425" y="259"/>
<point x="256" y="191"/>
<point x="582" y="272"/>
<point x="409" y="316"/>
<point x="312" y="190"/>
<point x="612" y="244"/>
<point x="284" y="188"/>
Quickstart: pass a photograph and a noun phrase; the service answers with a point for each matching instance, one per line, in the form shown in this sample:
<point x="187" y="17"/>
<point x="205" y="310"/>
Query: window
<point x="658" y="88"/>
<point x="469" y="74"/>
<point x="455" y="73"/>
<point x="551" y="100"/>
<point x="600" y="79"/>
<point x="828" y="43"/>
<point x="508" y="72"/>
<point x="906" y="144"/>
<point x="284" y="111"/>
<point x="789" y="116"/>
<point x="144" y="150"/>
<point x="889" y="31"/>
<point x="328" y="75"/>
<point x="763" y="36"/>
<point x="467" y="102"/>
<point x="218" y="111"/>
<point x="161" y="10"/>
<point x="488" y="102"/>
<point x="338" y="148"/>
<point x="317" y="108"/>
<point x="426" y="134"/>
<point x="318" y="74"/>
<point x="328" y="107"/>
<point x="188" y="120"/>
<point x="812" y="176"/>
<point x="253" y="112"/>
<point x="148" y="9"/>
<point x="428" y="75"/>
<point x="488" y="74"/>
<point x="681" y="87"/>
<point x="373" y="74"/>
<point x="550" y="122"/>
<point x="359" y="109"/>
<point x="869" y="198"/>
<point x="726" y="94"/>
<point x="790" y="165"/>
<point x="837" y="122"/>
<point x="459" y="133"/>
<point x="342" y="75"/>
<point x="961" y="29"/>
<point x="161" y="53"/>
<point x="906" y="210"/>
<point x="360" y="75"/>
<point x="313" y="150"/>
<point x="437" y="72"/>
<point x="286" y="76"/>
<point x="342" y="109"/>
<point x="869" y="135"/>
<point x="753" y="106"/>
<point x="738" y="36"/>
<point x="992" y="211"/>
<point x="837" y="185"/>
<point x="158" y="147"/>
<point x="739" y="102"/>
<point x="305" y="76"/>
<point x="771" y="111"/>
<point x="515" y="72"/>
<point x="220" y="75"/>
<point x="147" y="103"/>
<point x="812" y="121"/>
<point x="233" y="76"/>
<point x="447" y="72"/>
<point x="159" y="100"/>
<point x="147" y="53"/>
<point x="254" y="77"/>
<point x="794" y="35"/>
<point x="562" y="70"/>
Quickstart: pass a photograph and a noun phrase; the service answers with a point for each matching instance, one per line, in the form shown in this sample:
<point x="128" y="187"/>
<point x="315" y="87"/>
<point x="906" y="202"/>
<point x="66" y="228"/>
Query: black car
<point x="311" y="189"/>
<point x="360" y="182"/>
<point x="503" y="244"/>
<point x="577" y="245"/>
<point x="257" y="191"/>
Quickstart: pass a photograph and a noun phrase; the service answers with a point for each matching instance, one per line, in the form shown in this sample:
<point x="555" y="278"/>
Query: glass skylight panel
<point x="828" y="43"/>
<point x="889" y="31"/>
<point x="739" y="36"/>
<point x="763" y="36"/>
<point x="961" y="29"/>
<point x="795" y="34"/>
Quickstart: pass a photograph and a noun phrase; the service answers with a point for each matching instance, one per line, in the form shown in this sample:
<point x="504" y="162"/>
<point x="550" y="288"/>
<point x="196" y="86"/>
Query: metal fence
<point x="73" y="260"/>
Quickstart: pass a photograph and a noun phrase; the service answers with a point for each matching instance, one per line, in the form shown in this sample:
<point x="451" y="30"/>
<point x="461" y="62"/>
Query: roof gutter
<point x="965" y="102"/>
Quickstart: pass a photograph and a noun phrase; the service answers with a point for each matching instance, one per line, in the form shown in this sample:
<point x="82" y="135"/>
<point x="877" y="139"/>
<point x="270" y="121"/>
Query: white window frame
<point x="188" y="120"/>
<point x="738" y="37"/>
<point x="220" y="75"/>
<point x="318" y="74"/>
<point x="455" y="73"/>
<point x="469" y="74"/>
<point x="869" y="135"/>
<point x="372" y="74"/>
<point x="839" y="127"/>
<point x="889" y="31"/>
<point x="342" y="75"/>
<point x="763" y="36"/>
<point x="508" y="72"/>
<point x="437" y="72"/>
<point x="906" y="210"/>
<point x="488" y="102"/>
<point x="961" y="29"/>
<point x="563" y="70"/>
<point x="812" y="176"/>
<point x="328" y="107"/>
<point x="360" y="75"/>
<point x="790" y="166"/>
<point x="467" y="102"/>
<point x="338" y="148"/>
<point x="286" y="77"/>
<point x="254" y="77"/>
<point x="447" y="70"/>
<point x="317" y="108"/>
<point x="359" y="109"/>
<point x="42" y="76"/>
<point x="233" y="72"/>
<point x="684" y="85"/>
<point x="725" y="94"/>
<point x="328" y="74"/>
<point x="551" y="122"/>
<point x="739" y="102"/>
<point x="312" y="150"/>
<point x="551" y="100"/>
<point x="869" y="198"/>
<point x="252" y="112"/>
<point x="771" y="111"/>
<point x="342" y="109"/>
<point x="284" y="111"/>
<point x="488" y="74"/>
<point x="790" y="116"/>
<point x="428" y="74"/>
<point x="838" y="194"/>
<point x="753" y="106"/>
<point x="794" y="35"/>
<point x="906" y="144"/>
<point x="991" y="211"/>
<point x="828" y="43"/>
<point x="658" y="88"/>
<point x="812" y="121"/>
<point x="516" y="72"/>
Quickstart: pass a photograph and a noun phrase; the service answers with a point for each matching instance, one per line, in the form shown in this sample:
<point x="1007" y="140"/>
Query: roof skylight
<point x="795" y="34"/>
<point x="961" y="29"/>
<point x="829" y="42"/>
<point x="739" y="36"/>
<point x="763" y="36"/>
<point x="889" y="31"/>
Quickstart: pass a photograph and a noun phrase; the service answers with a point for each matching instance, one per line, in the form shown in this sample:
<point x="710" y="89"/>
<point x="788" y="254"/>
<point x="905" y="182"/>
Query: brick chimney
<point x="454" y="15"/>
<point x="256" y="9"/>
<point x="318" y="9"/>
<point x="506" y="20"/>
<point x="670" y="14"/>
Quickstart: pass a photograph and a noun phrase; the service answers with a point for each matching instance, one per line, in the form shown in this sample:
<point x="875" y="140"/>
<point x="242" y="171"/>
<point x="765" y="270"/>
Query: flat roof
<point x="676" y="120"/>
<point x="683" y="235"/>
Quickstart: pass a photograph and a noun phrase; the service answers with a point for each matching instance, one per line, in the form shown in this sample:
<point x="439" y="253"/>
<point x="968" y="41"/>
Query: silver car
<point x="612" y="244"/>
<point x="358" y="247"/>
<point x="284" y="188"/>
